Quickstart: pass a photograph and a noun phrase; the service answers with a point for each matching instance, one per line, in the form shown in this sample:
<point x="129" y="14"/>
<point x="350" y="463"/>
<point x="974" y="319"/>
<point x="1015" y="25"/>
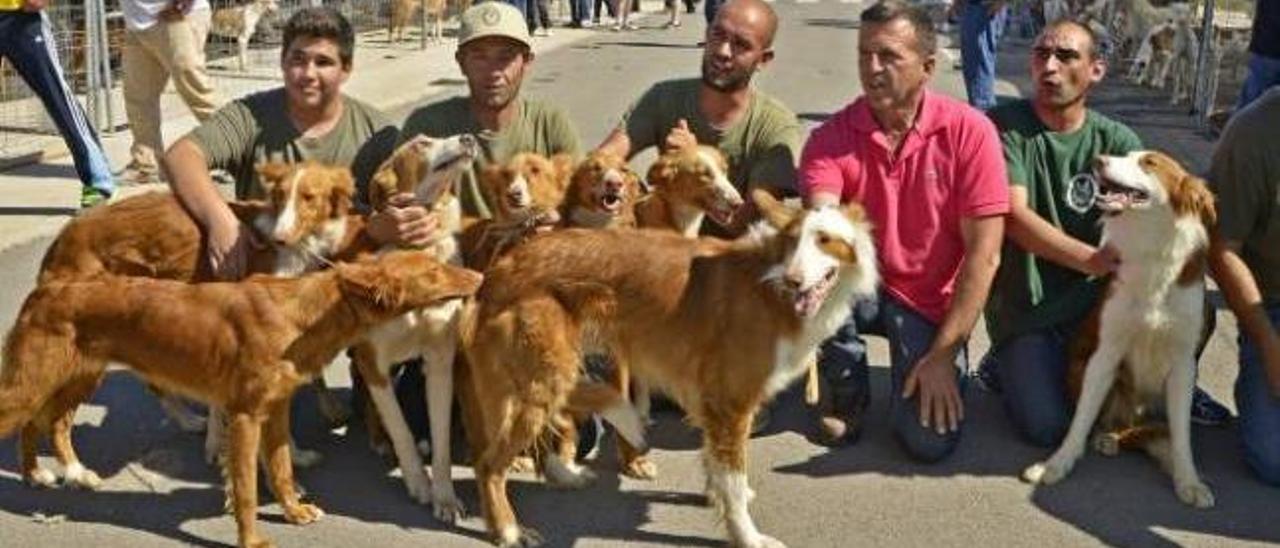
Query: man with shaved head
<point x="757" y="133"/>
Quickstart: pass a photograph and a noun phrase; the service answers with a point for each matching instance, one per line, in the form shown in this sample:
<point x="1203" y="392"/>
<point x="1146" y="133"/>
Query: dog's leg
<point x="1178" y="389"/>
<point x="246" y="433"/>
<point x="491" y="478"/>
<point x="438" y="370"/>
<point x="1099" y="375"/>
<point x="559" y="466"/>
<point x="276" y="451"/>
<point x="632" y="463"/>
<point x="725" y="458"/>
<point x="242" y="50"/>
<point x="214" y="436"/>
<point x="334" y="410"/>
<point x="415" y="479"/>
<point x="182" y="415"/>
<point x="74" y="473"/>
<point x="28" y="451"/>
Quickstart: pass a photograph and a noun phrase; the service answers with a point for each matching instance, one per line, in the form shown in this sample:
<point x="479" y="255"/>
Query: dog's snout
<point x="468" y="142"/>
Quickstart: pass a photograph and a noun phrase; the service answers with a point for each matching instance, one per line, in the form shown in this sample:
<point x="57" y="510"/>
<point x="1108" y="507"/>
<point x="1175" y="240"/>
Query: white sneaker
<point x="542" y="32"/>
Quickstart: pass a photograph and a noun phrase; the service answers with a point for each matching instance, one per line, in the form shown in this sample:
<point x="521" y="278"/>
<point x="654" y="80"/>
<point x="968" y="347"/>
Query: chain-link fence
<point x="243" y="52"/>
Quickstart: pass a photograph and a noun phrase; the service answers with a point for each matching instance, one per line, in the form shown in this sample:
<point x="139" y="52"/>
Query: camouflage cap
<point x="493" y="18"/>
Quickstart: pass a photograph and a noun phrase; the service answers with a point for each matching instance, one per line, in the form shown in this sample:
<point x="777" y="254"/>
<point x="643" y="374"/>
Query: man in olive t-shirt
<point x="758" y="134"/>
<point x="1245" y="258"/>
<point x="1050" y="268"/>
<point x="494" y="52"/>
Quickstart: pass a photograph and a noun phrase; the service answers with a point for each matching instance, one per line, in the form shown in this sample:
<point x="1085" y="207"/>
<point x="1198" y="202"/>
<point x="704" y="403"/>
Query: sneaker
<point x="1206" y="411"/>
<point x="91" y="197"/>
<point x="542" y="32"/>
<point x="840" y="416"/>
<point x="135" y="174"/>
<point x="985" y="376"/>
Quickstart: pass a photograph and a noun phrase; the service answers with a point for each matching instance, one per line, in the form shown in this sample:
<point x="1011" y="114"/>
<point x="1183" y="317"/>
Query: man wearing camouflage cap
<point x="494" y="53"/>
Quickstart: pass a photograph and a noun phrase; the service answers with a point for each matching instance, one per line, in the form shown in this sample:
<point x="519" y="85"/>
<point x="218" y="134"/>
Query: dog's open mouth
<point x="1114" y="197"/>
<point x="808" y="301"/>
<point x="611" y="201"/>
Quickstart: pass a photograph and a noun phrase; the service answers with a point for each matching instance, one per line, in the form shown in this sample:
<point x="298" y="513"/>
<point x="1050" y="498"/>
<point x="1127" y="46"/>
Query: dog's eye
<point x="823" y="239"/>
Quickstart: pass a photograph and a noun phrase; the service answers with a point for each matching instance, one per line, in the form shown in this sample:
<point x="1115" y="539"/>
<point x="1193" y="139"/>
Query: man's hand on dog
<point x="1104" y="261"/>
<point x="680" y="137"/>
<point x="230" y="245"/>
<point x="933" y="379"/>
<point x="404" y="223"/>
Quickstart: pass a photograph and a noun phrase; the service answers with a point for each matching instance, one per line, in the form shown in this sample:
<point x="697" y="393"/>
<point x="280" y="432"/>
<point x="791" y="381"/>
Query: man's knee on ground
<point x="1263" y="456"/>
<point x="923" y="444"/>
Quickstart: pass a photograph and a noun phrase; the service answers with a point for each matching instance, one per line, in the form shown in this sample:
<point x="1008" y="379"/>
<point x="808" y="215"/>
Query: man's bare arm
<point x="616" y="143"/>
<point x="1245" y="300"/>
<point x="1035" y="235"/>
<point x="190" y="181"/>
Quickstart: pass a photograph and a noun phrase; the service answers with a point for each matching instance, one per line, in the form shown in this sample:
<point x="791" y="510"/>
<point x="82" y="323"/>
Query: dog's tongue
<point x="807" y="303"/>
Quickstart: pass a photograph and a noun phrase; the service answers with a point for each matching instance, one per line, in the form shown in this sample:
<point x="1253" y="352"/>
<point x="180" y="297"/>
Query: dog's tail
<point x="598" y="397"/>
<point x="35" y="362"/>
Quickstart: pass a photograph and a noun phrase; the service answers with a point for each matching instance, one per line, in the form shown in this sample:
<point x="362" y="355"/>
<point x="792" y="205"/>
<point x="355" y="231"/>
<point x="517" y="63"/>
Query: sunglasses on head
<point x="1064" y="55"/>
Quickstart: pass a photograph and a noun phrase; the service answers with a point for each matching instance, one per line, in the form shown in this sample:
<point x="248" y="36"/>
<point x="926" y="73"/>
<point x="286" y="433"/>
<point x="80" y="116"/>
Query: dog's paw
<point x="1045" y="473"/>
<point x="640" y="468"/>
<point x="257" y="542"/>
<point x="1195" y="493"/>
<point x="446" y="506"/>
<point x="302" y="513"/>
<point x="418" y="485"/>
<point x="1107" y="443"/>
<point x="765" y="541"/>
<point x="305" y="458"/>
<point x="519" y="537"/>
<point x="41" y="477"/>
<point x="79" y="477"/>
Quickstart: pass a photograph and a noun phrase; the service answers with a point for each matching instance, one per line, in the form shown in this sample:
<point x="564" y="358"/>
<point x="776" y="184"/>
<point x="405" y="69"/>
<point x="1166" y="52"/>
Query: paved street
<point x="160" y="493"/>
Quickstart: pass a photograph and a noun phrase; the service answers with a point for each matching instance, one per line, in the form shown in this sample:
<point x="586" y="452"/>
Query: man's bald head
<point x="759" y="12"/>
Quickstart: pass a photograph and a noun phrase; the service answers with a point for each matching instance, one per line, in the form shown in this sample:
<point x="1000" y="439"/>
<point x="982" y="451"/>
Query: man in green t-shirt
<point x="307" y="119"/>
<point x="758" y="134"/>
<point x="494" y="53"/>
<point x="1244" y="255"/>
<point x="1051" y="263"/>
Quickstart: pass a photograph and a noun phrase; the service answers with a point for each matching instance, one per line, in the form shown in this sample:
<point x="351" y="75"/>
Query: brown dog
<point x="603" y="193"/>
<point x="242" y="347"/>
<point x="526" y="194"/>
<point x="151" y="235"/>
<point x="720" y="326"/>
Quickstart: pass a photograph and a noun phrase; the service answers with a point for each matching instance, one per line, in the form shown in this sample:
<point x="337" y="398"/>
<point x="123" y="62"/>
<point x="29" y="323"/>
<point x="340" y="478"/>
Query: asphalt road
<point x="160" y="493"/>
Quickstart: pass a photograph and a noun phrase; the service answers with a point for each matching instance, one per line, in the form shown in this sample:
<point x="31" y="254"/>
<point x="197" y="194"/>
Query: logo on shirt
<point x="1081" y="192"/>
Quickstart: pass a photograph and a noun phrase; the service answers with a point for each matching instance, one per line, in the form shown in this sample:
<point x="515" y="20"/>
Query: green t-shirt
<point x="1245" y="176"/>
<point x="1029" y="292"/>
<point x="539" y="128"/>
<point x="762" y="147"/>
<point x="256" y="129"/>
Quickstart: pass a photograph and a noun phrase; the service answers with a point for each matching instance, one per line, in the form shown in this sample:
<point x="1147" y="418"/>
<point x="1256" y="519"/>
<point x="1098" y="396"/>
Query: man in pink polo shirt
<point x="930" y="172"/>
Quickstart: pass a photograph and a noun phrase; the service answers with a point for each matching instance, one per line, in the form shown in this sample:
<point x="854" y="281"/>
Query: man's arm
<point x="1245" y="300"/>
<point x="617" y="143"/>
<point x="228" y="244"/>
<point x="1035" y="235"/>
<point x="934" y="376"/>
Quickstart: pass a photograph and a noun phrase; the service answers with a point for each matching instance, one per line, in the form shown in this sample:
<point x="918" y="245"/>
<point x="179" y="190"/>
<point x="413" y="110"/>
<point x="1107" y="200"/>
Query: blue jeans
<point x="1031" y="370"/>
<point x="710" y="8"/>
<point x="1263" y="73"/>
<point x="580" y="11"/>
<point x="979" y="37"/>
<point x="1259" y="410"/>
<point x="843" y="362"/>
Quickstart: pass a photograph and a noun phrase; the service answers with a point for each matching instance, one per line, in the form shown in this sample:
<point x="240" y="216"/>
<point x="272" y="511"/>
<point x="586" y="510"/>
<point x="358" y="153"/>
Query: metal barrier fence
<point x="89" y="36"/>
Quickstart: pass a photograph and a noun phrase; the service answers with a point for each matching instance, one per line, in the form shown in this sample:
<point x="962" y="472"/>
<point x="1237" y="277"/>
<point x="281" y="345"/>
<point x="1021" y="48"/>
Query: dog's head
<point x="267" y="7"/>
<point x="423" y="166"/>
<point x="1149" y="181"/>
<point x="602" y="192"/>
<point x="697" y="177"/>
<point x="824" y="251"/>
<point x="528" y="188"/>
<point x="401" y="281"/>
<point x="305" y="198"/>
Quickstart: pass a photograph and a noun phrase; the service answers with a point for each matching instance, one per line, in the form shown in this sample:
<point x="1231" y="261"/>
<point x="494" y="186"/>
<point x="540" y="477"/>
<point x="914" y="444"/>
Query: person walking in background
<point x="982" y="23"/>
<point x="1264" y="52"/>
<point x="27" y="42"/>
<point x="538" y="17"/>
<point x="164" y="40"/>
<point x="580" y="14"/>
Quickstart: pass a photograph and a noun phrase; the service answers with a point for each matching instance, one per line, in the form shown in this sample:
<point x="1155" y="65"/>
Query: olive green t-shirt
<point x="762" y="147"/>
<point x="1245" y="176"/>
<point x="1029" y="292"/>
<point x="256" y="129"/>
<point x="538" y="127"/>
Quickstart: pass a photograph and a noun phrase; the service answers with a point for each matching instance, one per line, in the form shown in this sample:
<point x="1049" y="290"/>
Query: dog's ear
<point x="492" y="182"/>
<point x="368" y="281"/>
<point x="663" y="171"/>
<point x="270" y="174"/>
<point x="1191" y="196"/>
<point x="383" y="184"/>
<point x="564" y="166"/>
<point x="775" y="212"/>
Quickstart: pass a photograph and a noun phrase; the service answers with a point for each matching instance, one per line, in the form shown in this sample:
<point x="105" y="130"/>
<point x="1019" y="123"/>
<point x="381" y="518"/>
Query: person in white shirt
<point x="164" y="39"/>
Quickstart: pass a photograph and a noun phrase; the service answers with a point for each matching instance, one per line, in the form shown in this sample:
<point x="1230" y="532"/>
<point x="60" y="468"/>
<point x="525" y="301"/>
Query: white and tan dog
<point x="1157" y="217"/>
<point x="429" y="169"/>
<point x="720" y="326"/>
<point x="240" y="22"/>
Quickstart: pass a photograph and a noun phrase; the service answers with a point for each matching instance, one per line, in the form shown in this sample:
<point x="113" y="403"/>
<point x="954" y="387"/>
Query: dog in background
<point x="241" y="22"/>
<point x="526" y="194"/>
<point x="1143" y="343"/>
<point x="242" y="347"/>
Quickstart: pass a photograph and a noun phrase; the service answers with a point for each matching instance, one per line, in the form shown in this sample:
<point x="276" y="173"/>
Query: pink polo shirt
<point x="951" y="167"/>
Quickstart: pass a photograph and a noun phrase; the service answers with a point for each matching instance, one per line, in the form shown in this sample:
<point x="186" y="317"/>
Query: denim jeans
<point x="536" y="14"/>
<point x="1031" y="370"/>
<point x="979" y="37"/>
<point x="1259" y="410"/>
<point x="710" y="8"/>
<point x="843" y="362"/>
<point x="1263" y="73"/>
<point x="580" y="11"/>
